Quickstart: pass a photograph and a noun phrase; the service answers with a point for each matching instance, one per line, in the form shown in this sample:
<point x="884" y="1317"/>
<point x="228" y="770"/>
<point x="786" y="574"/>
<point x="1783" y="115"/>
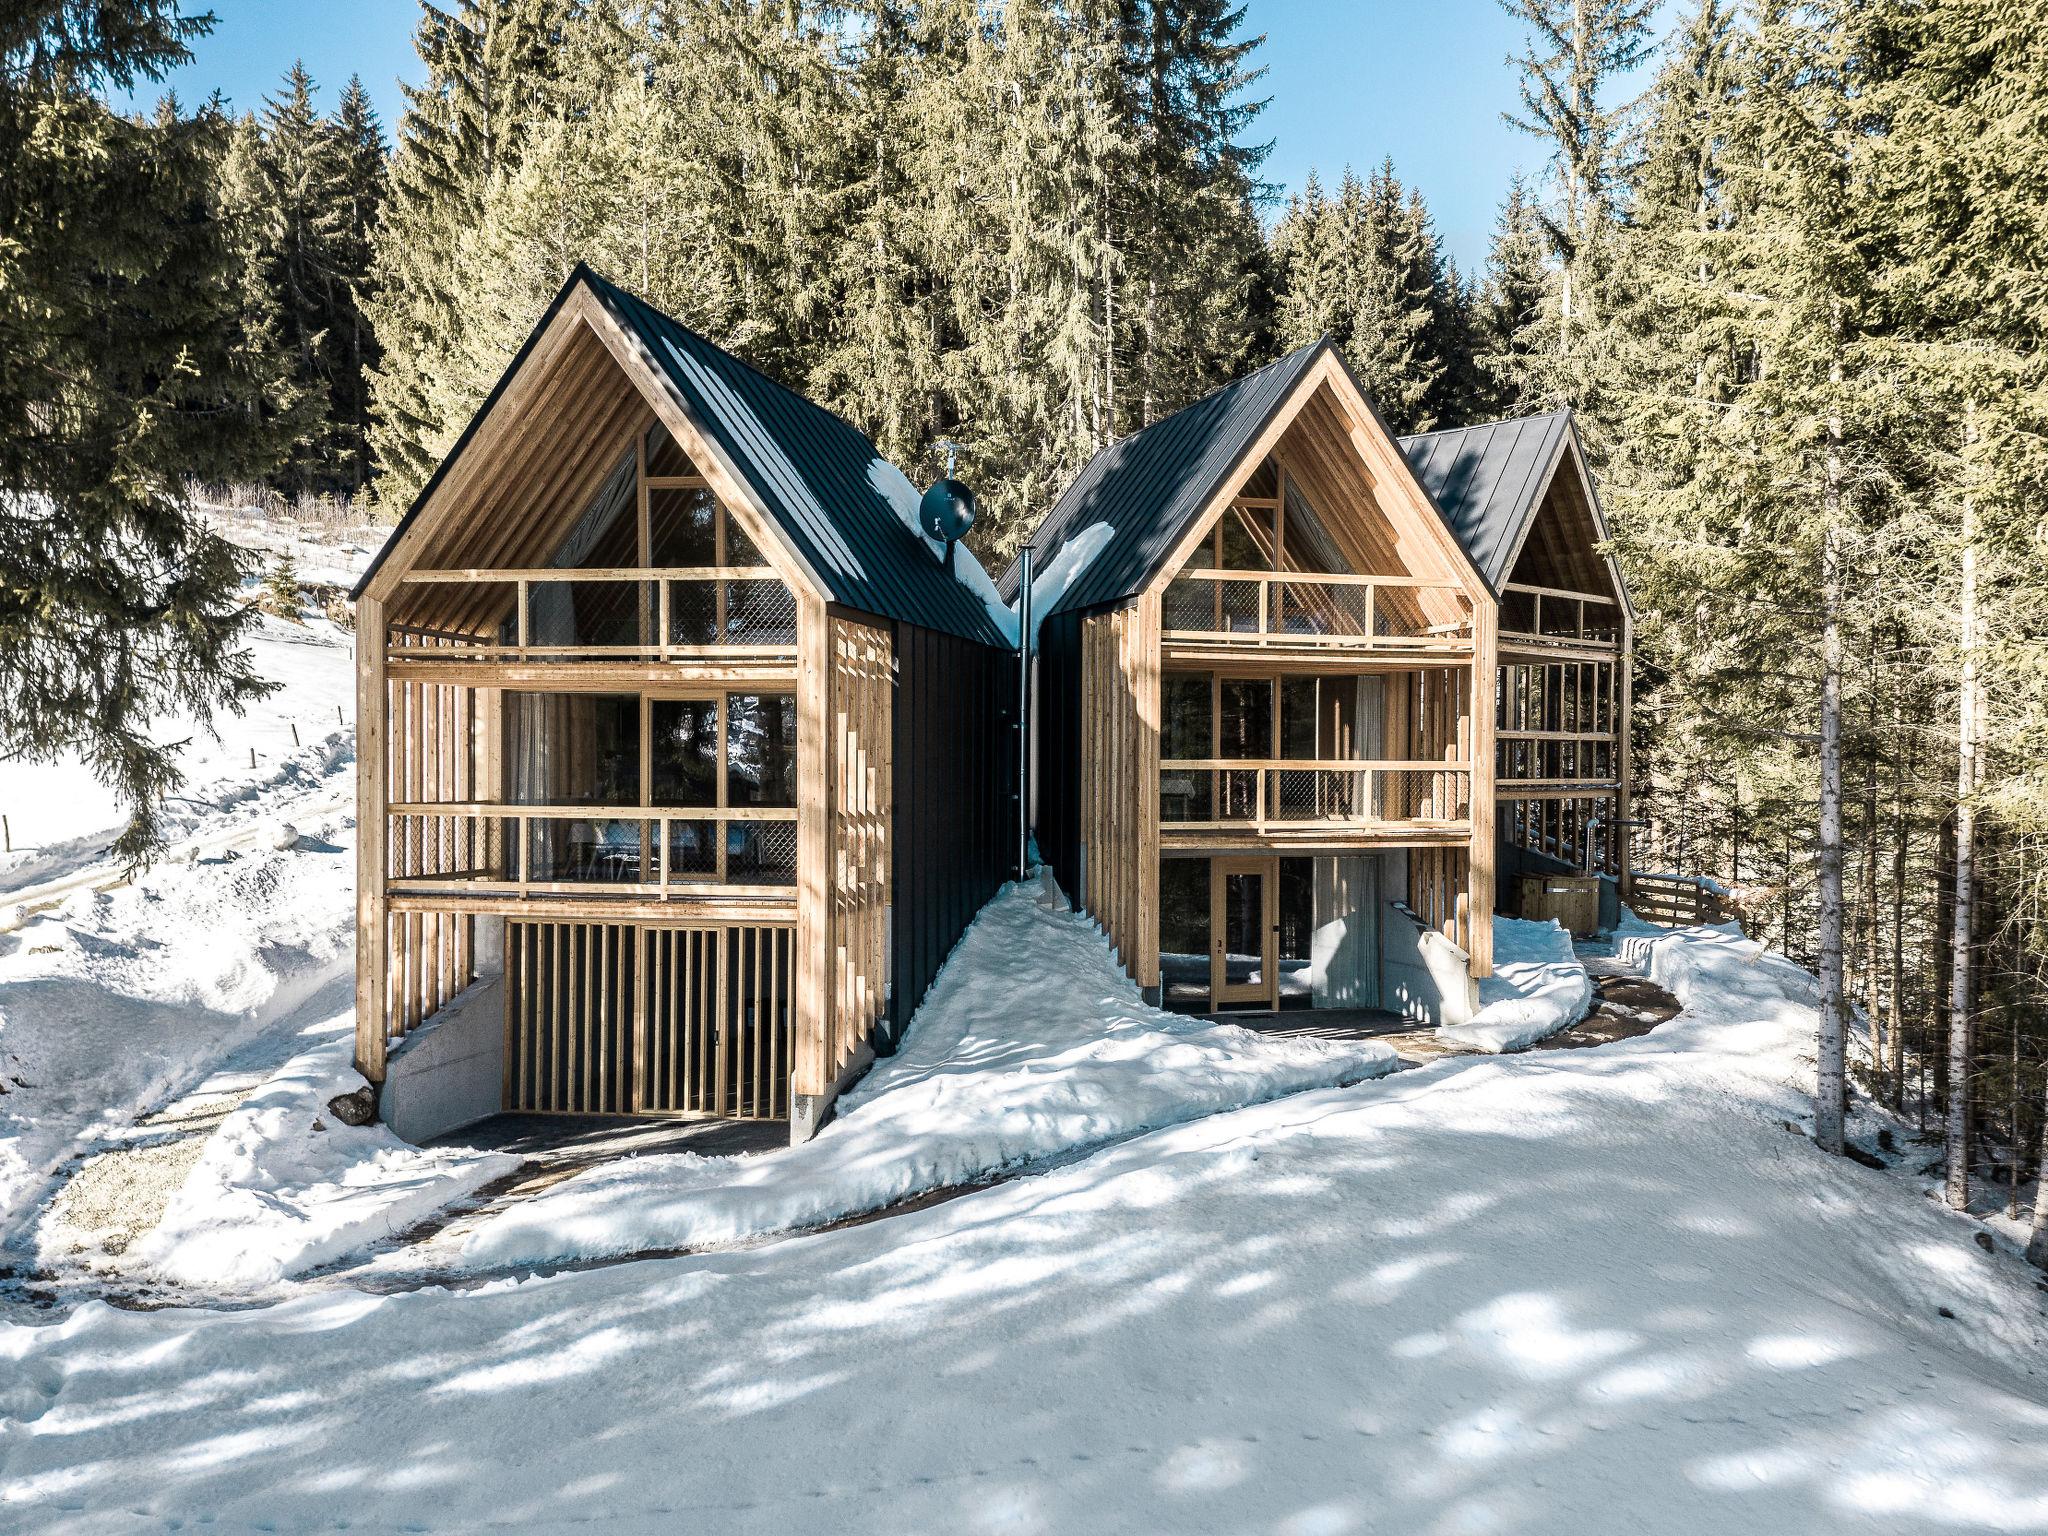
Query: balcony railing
<point x="1280" y="609"/>
<point x="624" y="850"/>
<point x="602" y="614"/>
<point x="1553" y="616"/>
<point x="1293" y="794"/>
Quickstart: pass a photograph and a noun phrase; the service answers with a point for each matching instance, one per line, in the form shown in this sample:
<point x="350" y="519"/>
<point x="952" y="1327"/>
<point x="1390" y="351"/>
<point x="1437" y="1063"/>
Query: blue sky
<point x="1349" y="81"/>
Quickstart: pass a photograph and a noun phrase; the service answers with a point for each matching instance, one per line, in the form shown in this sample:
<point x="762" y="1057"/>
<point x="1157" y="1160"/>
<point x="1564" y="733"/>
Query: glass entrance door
<point x="1242" y="901"/>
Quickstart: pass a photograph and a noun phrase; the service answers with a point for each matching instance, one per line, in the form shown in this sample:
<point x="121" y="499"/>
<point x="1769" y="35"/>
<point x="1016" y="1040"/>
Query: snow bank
<point x="282" y="1186"/>
<point x="1031" y="1045"/>
<point x="1537" y="988"/>
<point x="118" y="1000"/>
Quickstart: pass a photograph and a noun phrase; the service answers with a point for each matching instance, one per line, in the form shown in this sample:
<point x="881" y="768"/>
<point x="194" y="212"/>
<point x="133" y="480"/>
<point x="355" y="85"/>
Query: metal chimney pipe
<point x="1024" y="649"/>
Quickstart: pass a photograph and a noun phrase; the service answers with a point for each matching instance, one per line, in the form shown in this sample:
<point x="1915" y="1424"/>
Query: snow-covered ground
<point x="1537" y="988"/>
<point x="1589" y="1291"/>
<point x="282" y="1186"/>
<point x="61" y="820"/>
<point x="1031" y="1044"/>
<point x="205" y="970"/>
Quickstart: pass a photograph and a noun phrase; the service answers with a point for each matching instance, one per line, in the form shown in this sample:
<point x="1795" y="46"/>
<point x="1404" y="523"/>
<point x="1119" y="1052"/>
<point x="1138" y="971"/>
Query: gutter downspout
<point x="1024" y="650"/>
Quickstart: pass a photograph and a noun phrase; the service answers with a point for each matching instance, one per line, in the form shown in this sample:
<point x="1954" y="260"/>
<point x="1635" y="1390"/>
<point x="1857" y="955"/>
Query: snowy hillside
<point x="1592" y="1291"/>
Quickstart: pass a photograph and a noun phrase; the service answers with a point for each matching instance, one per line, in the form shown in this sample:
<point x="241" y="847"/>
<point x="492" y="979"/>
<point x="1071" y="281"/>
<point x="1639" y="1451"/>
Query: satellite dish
<point x="946" y="511"/>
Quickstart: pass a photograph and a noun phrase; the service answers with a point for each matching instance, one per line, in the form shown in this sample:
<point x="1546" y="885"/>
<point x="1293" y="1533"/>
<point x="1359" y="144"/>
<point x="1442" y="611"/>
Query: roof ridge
<point x="599" y="280"/>
<point x="1498" y="421"/>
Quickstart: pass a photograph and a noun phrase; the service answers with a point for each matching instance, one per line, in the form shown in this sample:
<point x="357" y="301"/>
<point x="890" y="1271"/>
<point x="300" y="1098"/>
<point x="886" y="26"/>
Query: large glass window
<point x="760" y="749"/>
<point x="685" y="751"/>
<point x="1186" y="733"/>
<point x="572" y="748"/>
<point x="1184" y="933"/>
<point x="682" y="527"/>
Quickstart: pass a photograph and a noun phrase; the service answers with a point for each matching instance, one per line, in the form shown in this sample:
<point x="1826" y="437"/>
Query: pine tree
<point x="1513" y="301"/>
<point x="491" y="68"/>
<point x="119" y="376"/>
<point x="1574" y="51"/>
<point x="351" y="340"/>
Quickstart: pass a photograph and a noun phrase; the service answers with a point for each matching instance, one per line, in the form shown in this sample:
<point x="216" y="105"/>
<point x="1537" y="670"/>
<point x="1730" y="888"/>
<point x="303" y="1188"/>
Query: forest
<point x="1785" y="262"/>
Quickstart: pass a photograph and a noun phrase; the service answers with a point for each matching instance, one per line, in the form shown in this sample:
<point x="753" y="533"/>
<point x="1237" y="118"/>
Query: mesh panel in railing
<point x="692" y="612"/>
<point x="1237" y="792"/>
<point x="1188" y="605"/>
<point x="1425" y="794"/>
<point x="692" y="850"/>
<point x="1312" y="608"/>
<point x="760" y="852"/>
<point x="759" y="613"/>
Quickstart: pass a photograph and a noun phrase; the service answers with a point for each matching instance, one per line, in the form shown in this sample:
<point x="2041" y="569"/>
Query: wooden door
<point x="1244" y="929"/>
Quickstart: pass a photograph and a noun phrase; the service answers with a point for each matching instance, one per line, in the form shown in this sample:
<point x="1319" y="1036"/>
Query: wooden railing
<point x="1679" y="900"/>
<point x="666" y="613"/>
<point x="620" y="850"/>
<point x="1283" y="609"/>
<point x="1242" y="794"/>
<point x="1557" y="616"/>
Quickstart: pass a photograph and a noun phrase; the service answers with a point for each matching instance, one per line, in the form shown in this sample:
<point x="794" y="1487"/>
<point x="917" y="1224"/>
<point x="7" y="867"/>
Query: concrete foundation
<point x="449" y="1072"/>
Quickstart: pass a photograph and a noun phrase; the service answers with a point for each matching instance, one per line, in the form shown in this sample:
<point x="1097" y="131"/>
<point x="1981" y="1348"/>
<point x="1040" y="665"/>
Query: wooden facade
<point x="1303" y="681"/>
<point x="625" y="748"/>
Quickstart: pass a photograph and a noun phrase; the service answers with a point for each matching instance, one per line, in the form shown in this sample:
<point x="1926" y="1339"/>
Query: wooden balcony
<point x="1279" y="802"/>
<point x="627" y="852"/>
<point x="1209" y="616"/>
<point x="1552" y="624"/>
<point x="632" y="621"/>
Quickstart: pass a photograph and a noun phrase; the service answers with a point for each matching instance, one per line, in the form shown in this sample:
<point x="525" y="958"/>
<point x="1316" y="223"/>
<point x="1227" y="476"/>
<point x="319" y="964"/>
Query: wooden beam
<point x="372" y="744"/>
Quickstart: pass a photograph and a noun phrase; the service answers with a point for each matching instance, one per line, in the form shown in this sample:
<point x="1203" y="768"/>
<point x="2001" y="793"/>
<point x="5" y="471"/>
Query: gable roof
<point x="848" y="511"/>
<point x="1150" y="486"/>
<point x="1489" y="481"/>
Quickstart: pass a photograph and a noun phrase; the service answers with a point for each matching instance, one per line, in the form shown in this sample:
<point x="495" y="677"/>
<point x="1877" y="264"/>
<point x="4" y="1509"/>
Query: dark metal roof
<point x="848" y="511"/>
<point x="1489" y="481"/>
<point x="1152" y="484"/>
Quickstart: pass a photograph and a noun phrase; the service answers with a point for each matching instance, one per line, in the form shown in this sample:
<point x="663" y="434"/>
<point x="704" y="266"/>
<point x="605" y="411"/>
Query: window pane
<point x="608" y="532"/>
<point x="739" y="549"/>
<point x="572" y="749"/>
<point x="665" y="456"/>
<point x="1298" y="717"/>
<point x="682" y="528"/>
<point x="1185" y="734"/>
<point x="1184" y="933"/>
<point x="760" y="749"/>
<point x="760" y="852"/>
<point x="1246" y="720"/>
<point x="685" y="751"/>
<point x="1247" y="540"/>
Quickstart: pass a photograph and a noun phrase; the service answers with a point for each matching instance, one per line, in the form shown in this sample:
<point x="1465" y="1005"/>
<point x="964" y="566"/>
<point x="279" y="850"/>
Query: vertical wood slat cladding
<point x="1119" y="772"/>
<point x="859" y="708"/>
<point x="433" y="746"/>
<point x="622" y="1018"/>
<point x="954" y="804"/>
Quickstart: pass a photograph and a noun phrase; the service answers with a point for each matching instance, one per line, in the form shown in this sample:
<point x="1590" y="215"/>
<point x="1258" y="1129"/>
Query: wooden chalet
<point x="679" y="745"/>
<point x="1305" y="694"/>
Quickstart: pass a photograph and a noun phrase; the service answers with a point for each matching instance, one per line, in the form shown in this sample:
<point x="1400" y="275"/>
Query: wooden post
<point x="372" y="956"/>
<point x="1480" y="741"/>
<point x="809" y="1072"/>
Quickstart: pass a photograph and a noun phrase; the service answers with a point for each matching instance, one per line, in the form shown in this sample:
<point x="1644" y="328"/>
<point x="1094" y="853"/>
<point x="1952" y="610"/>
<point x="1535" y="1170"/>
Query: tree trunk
<point x="1961" y="988"/>
<point x="2037" y="1246"/>
<point x="1831" y="1082"/>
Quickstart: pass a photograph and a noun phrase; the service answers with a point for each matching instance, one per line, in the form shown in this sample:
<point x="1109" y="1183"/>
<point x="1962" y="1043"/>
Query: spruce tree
<point x="490" y="76"/>
<point x="119" y="377"/>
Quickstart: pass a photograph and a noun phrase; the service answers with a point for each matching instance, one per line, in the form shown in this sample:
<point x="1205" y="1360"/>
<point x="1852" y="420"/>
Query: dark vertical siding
<point x="1058" y="749"/>
<point x="955" y="802"/>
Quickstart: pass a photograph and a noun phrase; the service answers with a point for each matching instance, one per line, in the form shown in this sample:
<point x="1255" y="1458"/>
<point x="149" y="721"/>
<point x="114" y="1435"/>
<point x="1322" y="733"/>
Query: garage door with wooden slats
<point x="605" y="1018"/>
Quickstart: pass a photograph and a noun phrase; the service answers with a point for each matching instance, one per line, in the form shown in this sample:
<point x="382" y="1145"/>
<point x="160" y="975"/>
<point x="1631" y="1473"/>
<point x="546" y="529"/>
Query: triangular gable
<point x="824" y="503"/>
<point x="1493" y="480"/>
<point x="1157" y="489"/>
